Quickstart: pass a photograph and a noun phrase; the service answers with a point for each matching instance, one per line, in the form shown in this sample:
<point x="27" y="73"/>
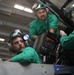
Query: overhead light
<point x="1" y="39"/>
<point x="23" y="8"/>
<point x="18" y="7"/>
<point x="28" y="10"/>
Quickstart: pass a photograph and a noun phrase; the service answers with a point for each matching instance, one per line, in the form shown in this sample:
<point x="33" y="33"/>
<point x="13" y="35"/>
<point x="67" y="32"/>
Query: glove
<point x="52" y="36"/>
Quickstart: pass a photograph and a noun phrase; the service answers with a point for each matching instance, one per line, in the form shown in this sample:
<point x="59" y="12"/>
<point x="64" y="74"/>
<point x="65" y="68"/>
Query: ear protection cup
<point x="9" y="45"/>
<point x="47" y="9"/>
<point x="10" y="48"/>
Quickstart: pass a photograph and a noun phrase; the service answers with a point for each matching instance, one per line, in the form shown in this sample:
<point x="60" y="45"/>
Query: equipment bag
<point x="48" y="47"/>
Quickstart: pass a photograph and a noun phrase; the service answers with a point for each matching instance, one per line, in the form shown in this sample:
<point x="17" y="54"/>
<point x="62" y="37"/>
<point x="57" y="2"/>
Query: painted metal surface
<point x="10" y="68"/>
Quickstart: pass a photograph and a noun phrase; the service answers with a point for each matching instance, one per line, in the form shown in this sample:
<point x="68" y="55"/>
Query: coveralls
<point x="37" y="27"/>
<point x="28" y="55"/>
<point x="67" y="43"/>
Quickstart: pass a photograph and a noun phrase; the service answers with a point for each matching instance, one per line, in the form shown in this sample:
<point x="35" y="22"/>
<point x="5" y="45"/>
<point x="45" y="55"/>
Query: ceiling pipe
<point x="16" y="11"/>
<point x="2" y="48"/>
<point x="3" y="33"/>
<point x="15" y="25"/>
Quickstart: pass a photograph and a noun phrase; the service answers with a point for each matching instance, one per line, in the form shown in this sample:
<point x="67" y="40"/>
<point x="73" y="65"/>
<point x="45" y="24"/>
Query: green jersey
<point x="28" y="55"/>
<point x="67" y="41"/>
<point x="37" y="27"/>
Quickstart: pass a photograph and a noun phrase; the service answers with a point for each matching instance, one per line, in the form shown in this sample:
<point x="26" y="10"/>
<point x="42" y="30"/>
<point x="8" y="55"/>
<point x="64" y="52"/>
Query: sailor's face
<point x="42" y="14"/>
<point x="18" y="44"/>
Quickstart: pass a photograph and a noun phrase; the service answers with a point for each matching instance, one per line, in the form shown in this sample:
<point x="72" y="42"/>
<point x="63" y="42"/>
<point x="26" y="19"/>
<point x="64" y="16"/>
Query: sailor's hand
<point x="62" y="33"/>
<point x="9" y="60"/>
<point x="35" y="37"/>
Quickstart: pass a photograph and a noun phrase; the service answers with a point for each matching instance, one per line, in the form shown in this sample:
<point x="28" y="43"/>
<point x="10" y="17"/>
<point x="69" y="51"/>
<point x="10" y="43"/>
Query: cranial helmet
<point x="12" y="36"/>
<point x="18" y="33"/>
<point x="38" y="6"/>
<point x="69" y="12"/>
<point x="15" y="33"/>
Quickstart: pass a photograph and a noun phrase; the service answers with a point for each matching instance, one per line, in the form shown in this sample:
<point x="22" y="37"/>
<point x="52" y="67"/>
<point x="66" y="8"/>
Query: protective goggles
<point x="16" y="33"/>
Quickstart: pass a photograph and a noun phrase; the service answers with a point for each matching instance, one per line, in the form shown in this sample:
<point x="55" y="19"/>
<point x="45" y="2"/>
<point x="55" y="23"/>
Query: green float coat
<point x="28" y="55"/>
<point x="68" y="41"/>
<point x="37" y="27"/>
